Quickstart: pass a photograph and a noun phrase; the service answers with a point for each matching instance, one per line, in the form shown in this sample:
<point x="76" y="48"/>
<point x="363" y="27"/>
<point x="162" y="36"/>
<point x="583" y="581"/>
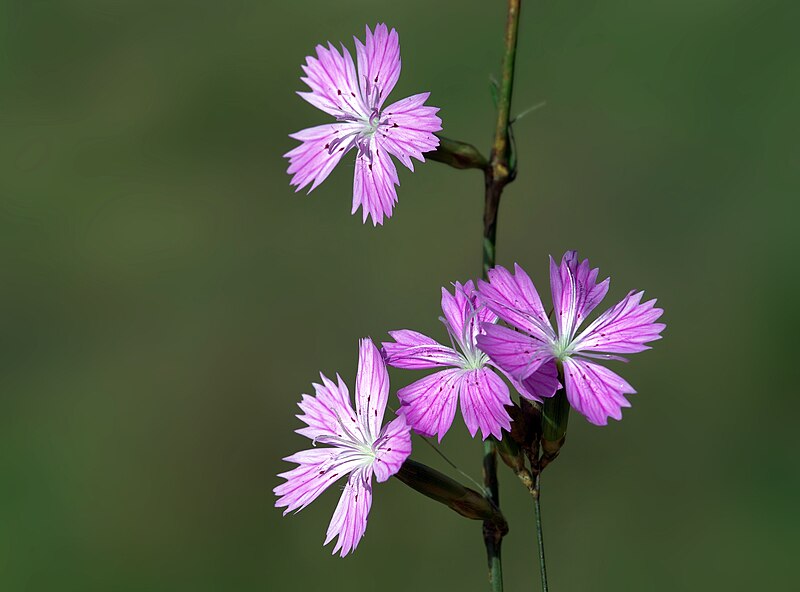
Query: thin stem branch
<point x="535" y="492"/>
<point x="452" y="464"/>
<point x="492" y="535"/>
<point x="500" y="148"/>
<point x="497" y="175"/>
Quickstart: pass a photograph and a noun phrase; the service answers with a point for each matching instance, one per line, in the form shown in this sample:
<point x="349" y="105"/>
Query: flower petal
<point x="318" y="469"/>
<point x="409" y="129"/>
<point x="575" y="291"/>
<point x="516" y="353"/>
<point x="465" y="314"/>
<point x="415" y="351"/>
<point x="350" y="517"/>
<point x="378" y="64"/>
<point x="515" y="300"/>
<point x="540" y="385"/>
<point x="313" y="160"/>
<point x="392" y="448"/>
<point x="624" y="328"/>
<point x="372" y="388"/>
<point x="332" y="78"/>
<point x="595" y="391"/>
<point x="484" y="396"/>
<point x="329" y="413"/>
<point x="429" y="404"/>
<point x="374" y="184"/>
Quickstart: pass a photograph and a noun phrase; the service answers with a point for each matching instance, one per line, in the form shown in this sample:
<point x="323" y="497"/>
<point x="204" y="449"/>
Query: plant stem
<point x="492" y="534"/>
<point x="539" y="536"/>
<point x="501" y="148"/>
<point x="497" y="174"/>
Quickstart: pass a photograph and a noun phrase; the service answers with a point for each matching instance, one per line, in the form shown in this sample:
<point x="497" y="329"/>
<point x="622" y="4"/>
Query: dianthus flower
<point x="358" y="447"/>
<point x="429" y="404"/>
<point x="535" y="348"/>
<point x="403" y="129"/>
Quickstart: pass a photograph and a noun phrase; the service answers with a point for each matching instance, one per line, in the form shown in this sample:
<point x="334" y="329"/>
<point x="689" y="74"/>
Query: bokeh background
<point x="166" y="297"/>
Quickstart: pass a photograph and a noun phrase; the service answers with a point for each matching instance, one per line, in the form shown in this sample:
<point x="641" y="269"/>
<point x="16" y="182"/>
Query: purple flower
<point x="430" y="403"/>
<point x="532" y="353"/>
<point x="359" y="447"/>
<point x="404" y="129"/>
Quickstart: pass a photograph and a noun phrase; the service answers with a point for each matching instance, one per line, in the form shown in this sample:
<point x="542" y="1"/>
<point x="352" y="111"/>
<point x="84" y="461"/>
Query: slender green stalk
<point x="452" y="464"/>
<point x="492" y="535"/>
<point x="497" y="175"/>
<point x="539" y="535"/>
<point x="501" y="148"/>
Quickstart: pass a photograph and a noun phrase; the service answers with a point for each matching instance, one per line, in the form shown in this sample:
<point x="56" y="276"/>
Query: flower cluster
<point x="527" y="352"/>
<point x="499" y="332"/>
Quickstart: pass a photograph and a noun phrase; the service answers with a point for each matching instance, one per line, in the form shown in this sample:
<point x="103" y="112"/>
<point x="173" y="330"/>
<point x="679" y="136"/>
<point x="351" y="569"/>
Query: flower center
<point x="562" y="348"/>
<point x="472" y="358"/>
<point x="368" y="451"/>
<point x="371" y="124"/>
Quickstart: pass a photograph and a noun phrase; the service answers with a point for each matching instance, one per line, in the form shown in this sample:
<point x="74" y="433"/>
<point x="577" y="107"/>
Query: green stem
<point x="501" y="148"/>
<point x="539" y="536"/>
<point x="492" y="534"/>
<point x="497" y="174"/>
<point x="495" y="564"/>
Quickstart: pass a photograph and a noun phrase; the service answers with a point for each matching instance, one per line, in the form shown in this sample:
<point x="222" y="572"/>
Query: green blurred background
<point x="166" y="297"/>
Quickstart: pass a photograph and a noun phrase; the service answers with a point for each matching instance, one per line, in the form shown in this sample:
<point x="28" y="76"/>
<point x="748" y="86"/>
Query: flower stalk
<point x="497" y="175"/>
<point x="537" y="509"/>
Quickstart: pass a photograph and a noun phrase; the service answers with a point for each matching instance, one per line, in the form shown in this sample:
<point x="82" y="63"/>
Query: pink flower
<point x="403" y="129"/>
<point x="358" y="447"/>
<point x="430" y="403"/>
<point x="533" y="351"/>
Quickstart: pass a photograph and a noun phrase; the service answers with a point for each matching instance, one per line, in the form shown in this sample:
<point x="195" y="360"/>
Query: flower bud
<point x="555" y="415"/>
<point x="441" y="488"/>
<point x="457" y="154"/>
<point x="511" y="453"/>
